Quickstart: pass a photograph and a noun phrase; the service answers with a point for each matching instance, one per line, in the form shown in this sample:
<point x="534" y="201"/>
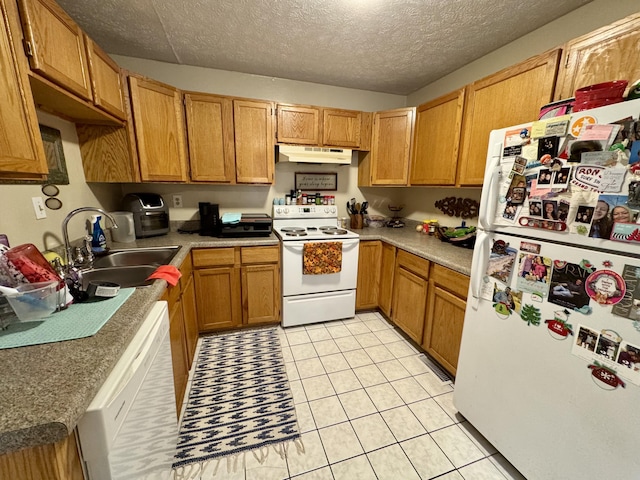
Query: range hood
<point x="302" y="154"/>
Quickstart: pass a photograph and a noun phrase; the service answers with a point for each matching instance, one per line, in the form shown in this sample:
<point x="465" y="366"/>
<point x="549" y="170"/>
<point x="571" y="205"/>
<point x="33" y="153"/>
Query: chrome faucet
<point x="65" y="233"/>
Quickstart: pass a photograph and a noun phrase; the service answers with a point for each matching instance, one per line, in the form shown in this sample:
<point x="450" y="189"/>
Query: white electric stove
<point x="315" y="298"/>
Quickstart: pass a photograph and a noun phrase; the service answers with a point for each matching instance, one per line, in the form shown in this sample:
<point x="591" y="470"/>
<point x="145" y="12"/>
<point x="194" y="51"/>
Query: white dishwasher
<point x="130" y="429"/>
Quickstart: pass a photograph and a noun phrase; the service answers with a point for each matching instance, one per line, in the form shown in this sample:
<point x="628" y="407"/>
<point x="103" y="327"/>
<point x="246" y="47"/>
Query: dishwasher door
<point x="130" y="429"/>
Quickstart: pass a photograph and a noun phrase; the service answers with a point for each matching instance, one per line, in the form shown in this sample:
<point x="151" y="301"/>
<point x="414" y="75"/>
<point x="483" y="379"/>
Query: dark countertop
<point x="47" y="388"/>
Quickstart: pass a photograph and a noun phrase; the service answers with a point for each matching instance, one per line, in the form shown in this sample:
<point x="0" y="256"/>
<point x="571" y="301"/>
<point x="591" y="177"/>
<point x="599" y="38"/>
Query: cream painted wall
<point x="572" y="25"/>
<point x="280" y="90"/>
<point x="17" y="217"/>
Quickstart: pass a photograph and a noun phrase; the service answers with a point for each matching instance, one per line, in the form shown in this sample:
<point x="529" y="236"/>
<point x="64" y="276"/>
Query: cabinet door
<point x="341" y="128"/>
<point x="444" y="330"/>
<point x="260" y="294"/>
<point x="55" y="46"/>
<point x="409" y="302"/>
<point x="368" y="274"/>
<point x="509" y="97"/>
<point x="106" y="81"/>
<point x="298" y="124"/>
<point x="190" y="313"/>
<point x="387" y="269"/>
<point x="600" y="56"/>
<point x="391" y="146"/>
<point x="218" y="298"/>
<point x="254" y="141"/>
<point x="21" y="150"/>
<point x="436" y="140"/>
<point x="159" y="130"/>
<point x="178" y="351"/>
<point x="210" y="138"/>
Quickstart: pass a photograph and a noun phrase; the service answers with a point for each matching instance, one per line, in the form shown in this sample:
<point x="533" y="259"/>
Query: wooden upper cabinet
<point x="55" y="46"/>
<point x="105" y="80"/>
<point x="509" y="97"/>
<point x="436" y="140"/>
<point x="341" y="128"/>
<point x="254" y="140"/>
<point x="298" y="124"/>
<point x="210" y="138"/>
<point x="391" y="146"/>
<point x="159" y="130"/>
<point x="21" y="150"/>
<point x="600" y="56"/>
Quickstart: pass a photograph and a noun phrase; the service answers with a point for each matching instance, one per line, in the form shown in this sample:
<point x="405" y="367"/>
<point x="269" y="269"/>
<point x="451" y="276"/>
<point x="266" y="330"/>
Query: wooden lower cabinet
<point x="410" y="285"/>
<point x="237" y="286"/>
<point x="183" y="330"/>
<point x="445" y="316"/>
<point x="369" y="257"/>
<point x="387" y="270"/>
<point x="57" y="461"/>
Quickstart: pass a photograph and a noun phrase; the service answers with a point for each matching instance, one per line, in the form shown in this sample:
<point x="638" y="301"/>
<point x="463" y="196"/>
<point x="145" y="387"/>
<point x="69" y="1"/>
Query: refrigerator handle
<point x="479" y="266"/>
<point x="489" y="200"/>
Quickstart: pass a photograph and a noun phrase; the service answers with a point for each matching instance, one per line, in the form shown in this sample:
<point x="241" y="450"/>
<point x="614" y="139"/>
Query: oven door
<point x="294" y="282"/>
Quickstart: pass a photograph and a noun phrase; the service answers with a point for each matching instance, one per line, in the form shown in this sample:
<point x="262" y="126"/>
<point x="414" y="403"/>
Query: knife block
<point x="356" y="221"/>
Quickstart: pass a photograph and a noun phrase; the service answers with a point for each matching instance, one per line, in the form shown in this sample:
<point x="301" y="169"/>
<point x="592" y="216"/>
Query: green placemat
<point x="78" y="321"/>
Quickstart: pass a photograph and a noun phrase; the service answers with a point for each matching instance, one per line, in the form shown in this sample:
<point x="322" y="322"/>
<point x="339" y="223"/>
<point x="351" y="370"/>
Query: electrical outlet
<point x="38" y="207"/>
<point x="177" y="201"/>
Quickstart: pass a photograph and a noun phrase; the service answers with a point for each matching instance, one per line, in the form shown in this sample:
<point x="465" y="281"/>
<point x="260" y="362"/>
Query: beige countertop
<point x="46" y="388"/>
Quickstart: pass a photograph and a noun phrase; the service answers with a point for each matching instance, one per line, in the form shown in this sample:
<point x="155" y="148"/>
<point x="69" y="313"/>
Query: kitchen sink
<point x="136" y="256"/>
<point x="126" y="276"/>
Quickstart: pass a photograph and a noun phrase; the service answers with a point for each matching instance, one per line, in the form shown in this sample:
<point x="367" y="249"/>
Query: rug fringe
<point x="195" y="471"/>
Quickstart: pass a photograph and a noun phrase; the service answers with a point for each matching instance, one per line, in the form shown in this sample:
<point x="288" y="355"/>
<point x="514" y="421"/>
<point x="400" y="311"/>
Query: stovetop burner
<point x="334" y="231"/>
<point x="297" y="233"/>
<point x="293" y="229"/>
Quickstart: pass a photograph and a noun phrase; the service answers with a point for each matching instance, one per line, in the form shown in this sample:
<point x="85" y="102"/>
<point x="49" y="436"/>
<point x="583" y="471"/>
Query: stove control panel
<point x="305" y="211"/>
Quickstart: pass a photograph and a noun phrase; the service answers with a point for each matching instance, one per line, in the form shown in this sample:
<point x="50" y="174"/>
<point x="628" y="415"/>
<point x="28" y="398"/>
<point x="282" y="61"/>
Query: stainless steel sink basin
<point x="127" y="276"/>
<point x="136" y="256"/>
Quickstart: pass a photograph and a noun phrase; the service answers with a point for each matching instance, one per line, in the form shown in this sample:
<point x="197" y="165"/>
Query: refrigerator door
<point x="514" y="196"/>
<point x="549" y="367"/>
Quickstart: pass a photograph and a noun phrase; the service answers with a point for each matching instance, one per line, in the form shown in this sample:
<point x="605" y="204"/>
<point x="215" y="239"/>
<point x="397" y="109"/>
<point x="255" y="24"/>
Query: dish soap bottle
<point x="98" y="240"/>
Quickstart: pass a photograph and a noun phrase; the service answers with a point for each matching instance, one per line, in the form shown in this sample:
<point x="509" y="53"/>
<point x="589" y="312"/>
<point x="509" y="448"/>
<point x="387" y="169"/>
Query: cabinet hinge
<point x="28" y="48"/>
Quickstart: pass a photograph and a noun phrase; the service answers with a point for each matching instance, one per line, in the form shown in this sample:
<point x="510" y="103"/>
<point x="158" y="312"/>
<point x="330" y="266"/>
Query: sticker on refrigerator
<point x="531" y="315"/>
<point x="629" y="305"/>
<point x="605" y="287"/>
<point x="605" y="377"/>
<point x="503" y="301"/>
<point x="559" y="327"/>
<point x="514" y="140"/>
<point x="501" y="261"/>
<point x="568" y="286"/>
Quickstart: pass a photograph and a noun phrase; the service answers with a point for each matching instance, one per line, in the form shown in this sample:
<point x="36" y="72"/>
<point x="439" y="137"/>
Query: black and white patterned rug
<point x="239" y="400"/>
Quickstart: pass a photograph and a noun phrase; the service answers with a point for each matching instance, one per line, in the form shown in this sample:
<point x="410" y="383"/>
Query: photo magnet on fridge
<point x="534" y="273"/>
<point x="568" y="286"/>
<point x="629" y="305"/>
<point x="501" y="261"/>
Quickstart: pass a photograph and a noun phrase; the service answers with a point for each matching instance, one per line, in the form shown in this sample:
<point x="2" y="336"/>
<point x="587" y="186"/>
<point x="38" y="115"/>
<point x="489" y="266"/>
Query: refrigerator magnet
<point x="605" y="287"/>
<point x="559" y="327"/>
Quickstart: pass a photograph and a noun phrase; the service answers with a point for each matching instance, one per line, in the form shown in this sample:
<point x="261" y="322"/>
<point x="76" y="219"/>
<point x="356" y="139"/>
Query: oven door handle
<point x="298" y="246"/>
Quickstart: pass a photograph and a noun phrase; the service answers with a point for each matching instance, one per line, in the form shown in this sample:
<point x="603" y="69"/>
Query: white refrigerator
<point x="549" y="366"/>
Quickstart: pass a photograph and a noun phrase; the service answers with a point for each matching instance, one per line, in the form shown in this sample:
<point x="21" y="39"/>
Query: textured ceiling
<point x="391" y="46"/>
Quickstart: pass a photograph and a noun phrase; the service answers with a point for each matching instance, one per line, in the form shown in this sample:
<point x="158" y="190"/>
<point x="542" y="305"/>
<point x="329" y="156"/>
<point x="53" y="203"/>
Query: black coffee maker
<point x="209" y="219"/>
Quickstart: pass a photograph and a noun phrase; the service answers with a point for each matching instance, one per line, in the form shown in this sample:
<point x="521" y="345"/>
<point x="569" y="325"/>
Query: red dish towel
<point x="166" y="272"/>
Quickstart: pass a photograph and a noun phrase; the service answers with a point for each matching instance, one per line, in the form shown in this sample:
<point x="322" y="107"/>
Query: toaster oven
<point x="150" y="214"/>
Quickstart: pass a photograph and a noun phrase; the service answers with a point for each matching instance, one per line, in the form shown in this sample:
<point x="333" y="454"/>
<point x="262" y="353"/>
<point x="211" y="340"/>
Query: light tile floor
<point x="369" y="408"/>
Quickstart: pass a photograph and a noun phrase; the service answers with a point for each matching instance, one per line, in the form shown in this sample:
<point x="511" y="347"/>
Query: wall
<point x="17" y="217"/>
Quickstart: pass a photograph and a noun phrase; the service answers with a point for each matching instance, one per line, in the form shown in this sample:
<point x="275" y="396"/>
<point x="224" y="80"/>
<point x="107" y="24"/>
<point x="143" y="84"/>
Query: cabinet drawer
<point x="251" y="255"/>
<point x="455" y="282"/>
<point x="211" y="257"/>
<point x="413" y="263"/>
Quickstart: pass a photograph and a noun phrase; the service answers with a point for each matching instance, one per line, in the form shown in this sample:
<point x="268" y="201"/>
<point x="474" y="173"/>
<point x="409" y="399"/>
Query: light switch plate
<point x="38" y="207"/>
